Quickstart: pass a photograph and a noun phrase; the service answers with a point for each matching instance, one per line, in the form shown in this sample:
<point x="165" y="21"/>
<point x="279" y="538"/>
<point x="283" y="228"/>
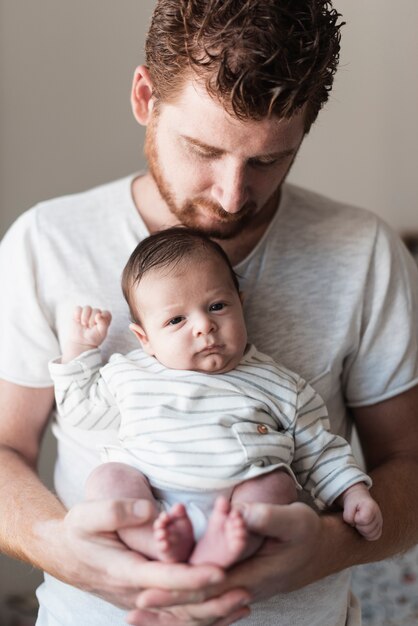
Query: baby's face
<point x="192" y="316"/>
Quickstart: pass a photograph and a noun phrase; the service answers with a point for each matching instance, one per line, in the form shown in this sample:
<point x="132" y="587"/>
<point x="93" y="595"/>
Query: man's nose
<point x="230" y="189"/>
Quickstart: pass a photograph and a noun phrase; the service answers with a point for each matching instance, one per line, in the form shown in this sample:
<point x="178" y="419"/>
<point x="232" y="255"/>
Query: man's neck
<point x="156" y="216"/>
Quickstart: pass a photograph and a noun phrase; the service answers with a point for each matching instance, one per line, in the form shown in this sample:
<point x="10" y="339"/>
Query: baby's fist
<point x="90" y="326"/>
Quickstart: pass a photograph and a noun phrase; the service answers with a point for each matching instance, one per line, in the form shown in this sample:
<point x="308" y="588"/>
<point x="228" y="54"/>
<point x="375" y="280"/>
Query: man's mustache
<point x="216" y="210"/>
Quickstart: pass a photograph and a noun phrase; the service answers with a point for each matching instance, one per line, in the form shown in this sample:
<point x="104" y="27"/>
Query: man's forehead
<point x="193" y="95"/>
<point x="196" y="115"/>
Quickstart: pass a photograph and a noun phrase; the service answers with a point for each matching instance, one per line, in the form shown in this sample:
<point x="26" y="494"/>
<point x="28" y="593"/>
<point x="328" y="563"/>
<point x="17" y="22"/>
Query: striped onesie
<point x="197" y="432"/>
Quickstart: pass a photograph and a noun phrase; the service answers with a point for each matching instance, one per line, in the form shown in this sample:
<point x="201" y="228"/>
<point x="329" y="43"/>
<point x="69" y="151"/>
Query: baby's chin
<point x="215" y="364"/>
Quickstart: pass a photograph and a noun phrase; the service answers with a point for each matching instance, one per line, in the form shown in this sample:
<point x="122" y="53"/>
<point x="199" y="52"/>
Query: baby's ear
<point x="241" y="296"/>
<point x="139" y="333"/>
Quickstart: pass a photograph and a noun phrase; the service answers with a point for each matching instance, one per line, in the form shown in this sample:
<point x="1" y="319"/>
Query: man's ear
<point x="142" y="100"/>
<point x="142" y="337"/>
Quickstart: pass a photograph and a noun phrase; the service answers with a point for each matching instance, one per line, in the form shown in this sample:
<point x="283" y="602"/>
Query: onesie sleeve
<point x="323" y="462"/>
<point x="385" y="361"/>
<point x="27" y="338"/>
<point x="82" y="396"/>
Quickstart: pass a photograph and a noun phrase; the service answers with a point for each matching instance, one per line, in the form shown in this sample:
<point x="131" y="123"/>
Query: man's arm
<point x="23" y="419"/>
<point x="79" y="547"/>
<point x="304" y="547"/>
<point x="388" y="433"/>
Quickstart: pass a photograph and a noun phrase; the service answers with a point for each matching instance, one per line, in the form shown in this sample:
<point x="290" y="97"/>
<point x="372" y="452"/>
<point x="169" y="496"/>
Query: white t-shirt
<point x="330" y="292"/>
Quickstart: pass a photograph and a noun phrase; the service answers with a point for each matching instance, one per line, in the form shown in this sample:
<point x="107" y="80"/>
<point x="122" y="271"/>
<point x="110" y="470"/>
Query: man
<point x="228" y="93"/>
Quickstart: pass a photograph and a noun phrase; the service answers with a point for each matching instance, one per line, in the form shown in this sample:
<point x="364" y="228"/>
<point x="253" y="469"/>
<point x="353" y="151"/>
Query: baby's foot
<point x="173" y="534"/>
<point x="225" y="539"/>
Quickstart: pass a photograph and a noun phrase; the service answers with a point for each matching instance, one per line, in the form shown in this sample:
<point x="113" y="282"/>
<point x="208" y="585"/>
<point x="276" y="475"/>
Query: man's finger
<point x="237" y="615"/>
<point x="222" y="610"/>
<point x="158" y="598"/>
<point x="285" y="523"/>
<point x="183" y="576"/>
<point x="100" y="516"/>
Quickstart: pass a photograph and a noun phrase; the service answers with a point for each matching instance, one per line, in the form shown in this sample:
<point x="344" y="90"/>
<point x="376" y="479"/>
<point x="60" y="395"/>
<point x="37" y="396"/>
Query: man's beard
<point x="201" y="214"/>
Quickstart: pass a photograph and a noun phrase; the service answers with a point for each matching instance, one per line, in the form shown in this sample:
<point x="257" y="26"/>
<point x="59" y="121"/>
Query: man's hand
<point x="88" y="554"/>
<point x="284" y="563"/>
<point x="220" y="611"/>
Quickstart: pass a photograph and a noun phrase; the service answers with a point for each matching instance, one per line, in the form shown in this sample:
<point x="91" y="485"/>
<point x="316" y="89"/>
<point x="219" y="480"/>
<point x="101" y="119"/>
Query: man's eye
<point x="218" y="306"/>
<point x="175" y="320"/>
<point x="204" y="154"/>
<point x="264" y="164"/>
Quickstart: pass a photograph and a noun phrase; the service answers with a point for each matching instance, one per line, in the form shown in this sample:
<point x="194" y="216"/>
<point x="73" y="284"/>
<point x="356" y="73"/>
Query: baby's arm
<point x="82" y="395"/>
<point x="88" y="331"/>
<point x="361" y="511"/>
<point x="324" y="464"/>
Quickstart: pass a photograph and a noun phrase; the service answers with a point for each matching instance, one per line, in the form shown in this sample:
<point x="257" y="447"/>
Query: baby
<point x="205" y="421"/>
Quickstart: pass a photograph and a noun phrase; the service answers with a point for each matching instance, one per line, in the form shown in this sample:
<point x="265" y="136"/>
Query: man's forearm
<point x="395" y="488"/>
<point x="303" y="548"/>
<point x="24" y="503"/>
<point x="395" y="485"/>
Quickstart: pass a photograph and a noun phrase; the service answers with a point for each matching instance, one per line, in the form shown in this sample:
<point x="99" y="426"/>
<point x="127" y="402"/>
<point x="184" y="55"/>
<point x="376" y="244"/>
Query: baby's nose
<point x="204" y="325"/>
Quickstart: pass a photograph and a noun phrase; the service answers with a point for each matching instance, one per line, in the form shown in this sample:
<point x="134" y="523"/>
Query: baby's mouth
<point x="214" y="347"/>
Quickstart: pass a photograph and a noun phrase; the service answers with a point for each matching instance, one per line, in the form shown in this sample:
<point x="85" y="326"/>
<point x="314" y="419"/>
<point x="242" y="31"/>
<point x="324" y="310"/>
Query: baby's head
<point x="185" y="303"/>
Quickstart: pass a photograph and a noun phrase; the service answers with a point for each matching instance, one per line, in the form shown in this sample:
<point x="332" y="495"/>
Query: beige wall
<point x="364" y="147"/>
<point x="65" y="122"/>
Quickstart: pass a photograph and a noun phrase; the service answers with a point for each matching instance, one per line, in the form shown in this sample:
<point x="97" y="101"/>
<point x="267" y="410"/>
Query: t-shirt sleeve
<point x="27" y="338"/>
<point x="385" y="362"/>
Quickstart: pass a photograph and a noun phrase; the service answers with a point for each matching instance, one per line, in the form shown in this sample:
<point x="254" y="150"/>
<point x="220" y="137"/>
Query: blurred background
<point x="65" y="126"/>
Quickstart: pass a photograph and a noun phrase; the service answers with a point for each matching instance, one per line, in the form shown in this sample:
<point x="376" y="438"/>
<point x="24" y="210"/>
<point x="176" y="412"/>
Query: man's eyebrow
<point x="214" y="150"/>
<point x="200" y="144"/>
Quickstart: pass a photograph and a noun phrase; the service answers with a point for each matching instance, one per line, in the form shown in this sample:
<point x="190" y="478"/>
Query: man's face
<point x="192" y="317"/>
<point x="215" y="172"/>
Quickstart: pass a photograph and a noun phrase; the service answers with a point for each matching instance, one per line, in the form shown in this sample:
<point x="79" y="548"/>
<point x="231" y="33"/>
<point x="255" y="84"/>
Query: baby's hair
<point x="167" y="249"/>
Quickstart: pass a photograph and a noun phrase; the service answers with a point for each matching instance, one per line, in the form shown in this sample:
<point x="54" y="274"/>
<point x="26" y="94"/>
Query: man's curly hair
<point x="256" y="57"/>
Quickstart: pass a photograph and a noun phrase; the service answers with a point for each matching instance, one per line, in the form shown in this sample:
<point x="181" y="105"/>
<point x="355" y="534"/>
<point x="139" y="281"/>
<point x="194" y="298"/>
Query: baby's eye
<point x="218" y="306"/>
<point x="176" y="320"/>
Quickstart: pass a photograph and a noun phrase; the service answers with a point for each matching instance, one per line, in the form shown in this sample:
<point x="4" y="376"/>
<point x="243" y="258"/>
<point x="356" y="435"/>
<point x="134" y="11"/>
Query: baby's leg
<point x="226" y="539"/>
<point x="167" y="536"/>
<point x="277" y="487"/>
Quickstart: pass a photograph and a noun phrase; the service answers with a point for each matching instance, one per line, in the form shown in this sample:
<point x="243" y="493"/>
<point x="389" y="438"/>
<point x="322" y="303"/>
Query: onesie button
<point x="262" y="429"/>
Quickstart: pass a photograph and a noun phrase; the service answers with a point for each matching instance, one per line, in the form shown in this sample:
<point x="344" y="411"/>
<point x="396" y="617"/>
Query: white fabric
<point x="330" y="293"/>
<point x="198" y="505"/>
<point x="188" y="430"/>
